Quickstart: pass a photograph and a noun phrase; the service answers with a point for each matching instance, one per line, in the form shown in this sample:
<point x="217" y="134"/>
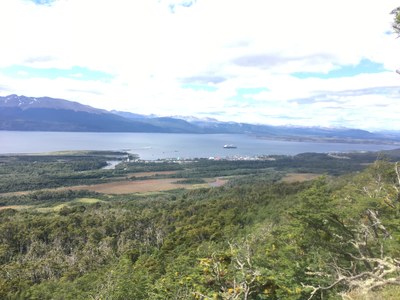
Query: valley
<point x="187" y="229"/>
<point x="199" y="150"/>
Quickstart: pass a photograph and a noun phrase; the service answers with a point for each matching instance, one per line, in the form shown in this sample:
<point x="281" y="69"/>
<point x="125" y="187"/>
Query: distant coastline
<point x="154" y="146"/>
<point x="330" y="140"/>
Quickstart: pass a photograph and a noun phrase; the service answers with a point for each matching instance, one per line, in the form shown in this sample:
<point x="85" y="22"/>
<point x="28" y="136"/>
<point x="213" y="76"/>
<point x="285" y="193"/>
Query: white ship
<point x="229" y="146"/>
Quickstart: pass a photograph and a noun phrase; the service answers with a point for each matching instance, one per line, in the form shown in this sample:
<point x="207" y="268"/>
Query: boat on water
<point x="229" y="146"/>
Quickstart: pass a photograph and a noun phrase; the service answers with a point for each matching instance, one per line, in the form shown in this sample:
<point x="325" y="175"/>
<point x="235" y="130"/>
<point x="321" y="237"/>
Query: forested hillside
<point x="256" y="239"/>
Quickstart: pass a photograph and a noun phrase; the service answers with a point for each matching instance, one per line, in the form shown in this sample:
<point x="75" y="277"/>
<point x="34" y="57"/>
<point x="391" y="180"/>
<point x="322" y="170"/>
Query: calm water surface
<point x="166" y="145"/>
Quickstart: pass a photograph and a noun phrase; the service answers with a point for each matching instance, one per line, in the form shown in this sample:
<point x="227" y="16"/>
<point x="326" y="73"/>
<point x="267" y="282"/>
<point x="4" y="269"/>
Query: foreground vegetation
<point x="255" y="238"/>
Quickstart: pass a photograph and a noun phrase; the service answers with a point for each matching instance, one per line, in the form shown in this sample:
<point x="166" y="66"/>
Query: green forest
<point x="256" y="237"/>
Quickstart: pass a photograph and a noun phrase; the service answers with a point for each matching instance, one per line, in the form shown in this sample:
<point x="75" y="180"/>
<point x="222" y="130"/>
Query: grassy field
<point x="150" y="174"/>
<point x="299" y="177"/>
<point x="136" y="186"/>
<point x="52" y="208"/>
<point x="128" y="187"/>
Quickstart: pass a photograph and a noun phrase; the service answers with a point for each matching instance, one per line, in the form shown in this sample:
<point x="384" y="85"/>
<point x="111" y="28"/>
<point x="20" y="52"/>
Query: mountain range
<point x="22" y="113"/>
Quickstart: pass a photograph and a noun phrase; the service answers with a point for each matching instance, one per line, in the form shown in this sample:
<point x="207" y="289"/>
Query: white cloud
<point x="151" y="48"/>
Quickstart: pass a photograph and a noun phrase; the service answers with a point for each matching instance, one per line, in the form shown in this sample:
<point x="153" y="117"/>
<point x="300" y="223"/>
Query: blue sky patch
<point x="244" y="95"/>
<point x="365" y="66"/>
<point x="78" y="73"/>
<point x="43" y="2"/>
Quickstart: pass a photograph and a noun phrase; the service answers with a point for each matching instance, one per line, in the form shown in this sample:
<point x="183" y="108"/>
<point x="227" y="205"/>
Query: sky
<point x="327" y="63"/>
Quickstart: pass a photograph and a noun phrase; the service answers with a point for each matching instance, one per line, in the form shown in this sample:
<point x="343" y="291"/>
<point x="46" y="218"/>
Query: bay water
<point x="152" y="146"/>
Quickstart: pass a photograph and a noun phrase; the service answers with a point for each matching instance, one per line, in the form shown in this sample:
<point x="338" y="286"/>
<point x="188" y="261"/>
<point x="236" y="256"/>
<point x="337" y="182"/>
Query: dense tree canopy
<point x="253" y="240"/>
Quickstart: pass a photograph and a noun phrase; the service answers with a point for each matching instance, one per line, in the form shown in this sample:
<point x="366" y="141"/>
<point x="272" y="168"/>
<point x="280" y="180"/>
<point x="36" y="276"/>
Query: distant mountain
<point x="49" y="114"/>
<point x="25" y="103"/>
<point x="172" y="124"/>
<point x="389" y="134"/>
<point x="130" y="115"/>
<point x="196" y="120"/>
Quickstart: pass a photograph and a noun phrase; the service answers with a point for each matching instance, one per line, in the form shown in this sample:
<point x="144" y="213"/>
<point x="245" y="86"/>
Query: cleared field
<point x="145" y="186"/>
<point x="52" y="208"/>
<point x="85" y="187"/>
<point x="299" y="177"/>
<point x="88" y="200"/>
<point x="148" y="174"/>
<point x="217" y="182"/>
<point x="68" y="204"/>
<point x="15" y="207"/>
<point x="138" y="186"/>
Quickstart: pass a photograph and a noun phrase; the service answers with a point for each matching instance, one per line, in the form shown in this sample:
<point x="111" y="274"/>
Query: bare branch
<point x="396" y="166"/>
<point x="377" y="224"/>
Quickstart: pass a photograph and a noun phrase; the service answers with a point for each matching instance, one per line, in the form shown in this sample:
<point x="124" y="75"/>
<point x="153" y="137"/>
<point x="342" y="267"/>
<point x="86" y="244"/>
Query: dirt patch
<point x="218" y="182"/>
<point x="20" y="193"/>
<point x="299" y="177"/>
<point x="15" y="207"/>
<point x="145" y="186"/>
<point x="137" y="186"/>
<point x="84" y="187"/>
